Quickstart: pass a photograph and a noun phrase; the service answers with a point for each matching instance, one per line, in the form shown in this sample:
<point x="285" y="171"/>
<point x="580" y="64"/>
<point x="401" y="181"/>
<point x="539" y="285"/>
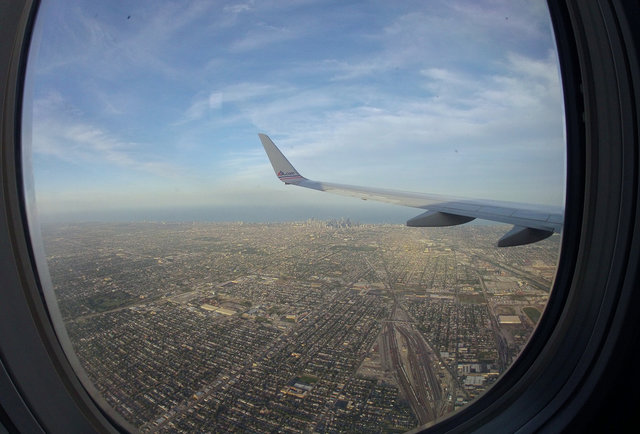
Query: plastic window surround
<point x="572" y="365"/>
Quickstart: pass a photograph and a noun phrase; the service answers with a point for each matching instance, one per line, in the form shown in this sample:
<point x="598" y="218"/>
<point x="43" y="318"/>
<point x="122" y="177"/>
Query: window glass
<point x="201" y="294"/>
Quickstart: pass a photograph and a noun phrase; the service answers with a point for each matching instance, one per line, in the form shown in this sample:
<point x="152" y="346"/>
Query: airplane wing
<point x="531" y="222"/>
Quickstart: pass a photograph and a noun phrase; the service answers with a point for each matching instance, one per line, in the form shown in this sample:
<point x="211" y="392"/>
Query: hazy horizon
<point x="230" y="214"/>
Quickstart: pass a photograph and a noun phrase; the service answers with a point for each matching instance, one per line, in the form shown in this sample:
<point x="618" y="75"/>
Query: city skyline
<point x="295" y="327"/>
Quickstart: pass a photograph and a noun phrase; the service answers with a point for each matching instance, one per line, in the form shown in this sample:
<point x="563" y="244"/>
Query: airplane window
<point x="197" y="292"/>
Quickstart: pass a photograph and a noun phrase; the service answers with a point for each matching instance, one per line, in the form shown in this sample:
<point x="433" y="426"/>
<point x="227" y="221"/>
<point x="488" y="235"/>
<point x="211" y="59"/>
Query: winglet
<point x="284" y="170"/>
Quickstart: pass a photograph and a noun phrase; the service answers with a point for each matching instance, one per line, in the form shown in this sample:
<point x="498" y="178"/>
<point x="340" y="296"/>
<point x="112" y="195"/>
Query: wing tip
<point x="281" y="166"/>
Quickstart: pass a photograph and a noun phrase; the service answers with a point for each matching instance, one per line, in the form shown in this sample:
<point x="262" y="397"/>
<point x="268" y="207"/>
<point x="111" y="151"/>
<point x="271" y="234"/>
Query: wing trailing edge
<point x="532" y="223"/>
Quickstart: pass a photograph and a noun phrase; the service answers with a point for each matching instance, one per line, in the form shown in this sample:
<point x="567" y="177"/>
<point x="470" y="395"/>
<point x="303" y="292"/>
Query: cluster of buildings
<point x="263" y="327"/>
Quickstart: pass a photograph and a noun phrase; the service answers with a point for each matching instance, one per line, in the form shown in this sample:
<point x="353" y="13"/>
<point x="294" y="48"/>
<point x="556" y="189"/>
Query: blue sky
<point x="145" y="106"/>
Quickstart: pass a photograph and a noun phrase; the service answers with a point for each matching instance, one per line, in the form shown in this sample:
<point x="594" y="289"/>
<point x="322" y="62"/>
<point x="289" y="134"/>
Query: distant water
<point x="371" y="214"/>
<point x="249" y="214"/>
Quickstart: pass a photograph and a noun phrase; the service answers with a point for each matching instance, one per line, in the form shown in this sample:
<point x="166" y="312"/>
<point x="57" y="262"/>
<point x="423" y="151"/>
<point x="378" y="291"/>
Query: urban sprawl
<point x="294" y="327"/>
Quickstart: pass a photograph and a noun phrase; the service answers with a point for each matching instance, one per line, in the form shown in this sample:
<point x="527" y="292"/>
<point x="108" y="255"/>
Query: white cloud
<point x="238" y="7"/>
<point x="262" y="35"/>
<point x="59" y="131"/>
<point x="400" y="103"/>
<point x="473" y="129"/>
<point x="235" y="93"/>
<point x="215" y="100"/>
